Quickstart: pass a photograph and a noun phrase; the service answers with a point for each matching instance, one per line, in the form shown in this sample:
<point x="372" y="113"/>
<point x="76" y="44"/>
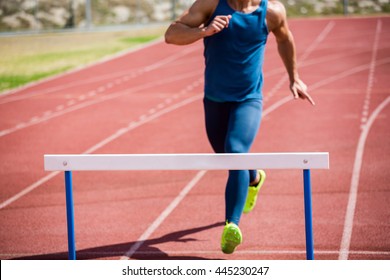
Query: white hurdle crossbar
<point x="243" y="161"/>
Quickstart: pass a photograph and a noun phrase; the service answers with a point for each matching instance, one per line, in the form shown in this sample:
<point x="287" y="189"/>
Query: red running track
<point x="150" y="101"/>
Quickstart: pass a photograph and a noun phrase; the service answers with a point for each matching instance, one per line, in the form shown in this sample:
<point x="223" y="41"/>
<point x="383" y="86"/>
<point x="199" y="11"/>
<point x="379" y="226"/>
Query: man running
<point x="235" y="34"/>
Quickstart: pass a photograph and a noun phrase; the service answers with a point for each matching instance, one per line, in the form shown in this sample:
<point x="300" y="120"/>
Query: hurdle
<point x="137" y="162"/>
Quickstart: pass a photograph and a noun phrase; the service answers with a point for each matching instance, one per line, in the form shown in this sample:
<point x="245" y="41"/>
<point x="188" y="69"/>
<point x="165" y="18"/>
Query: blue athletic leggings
<point x="231" y="128"/>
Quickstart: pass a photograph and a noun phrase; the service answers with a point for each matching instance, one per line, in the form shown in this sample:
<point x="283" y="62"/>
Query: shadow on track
<point x="148" y="251"/>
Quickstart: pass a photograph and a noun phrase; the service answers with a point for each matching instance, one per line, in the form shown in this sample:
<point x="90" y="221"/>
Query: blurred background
<point x="22" y="15"/>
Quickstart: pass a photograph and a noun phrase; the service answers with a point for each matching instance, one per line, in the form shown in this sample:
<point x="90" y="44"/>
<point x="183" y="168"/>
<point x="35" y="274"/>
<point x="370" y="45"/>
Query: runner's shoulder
<point x="276" y="14"/>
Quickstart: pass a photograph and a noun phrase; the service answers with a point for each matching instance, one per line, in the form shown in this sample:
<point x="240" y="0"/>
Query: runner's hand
<point x="299" y="90"/>
<point x="218" y="24"/>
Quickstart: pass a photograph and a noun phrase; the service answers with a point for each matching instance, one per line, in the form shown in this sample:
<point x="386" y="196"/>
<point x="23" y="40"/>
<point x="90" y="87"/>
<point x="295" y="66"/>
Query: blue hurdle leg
<point x="70" y="215"/>
<point x="308" y="215"/>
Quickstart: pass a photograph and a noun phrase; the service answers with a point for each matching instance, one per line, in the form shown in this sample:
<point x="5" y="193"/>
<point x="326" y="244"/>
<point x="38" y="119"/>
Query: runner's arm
<point x="190" y="26"/>
<point x="277" y="24"/>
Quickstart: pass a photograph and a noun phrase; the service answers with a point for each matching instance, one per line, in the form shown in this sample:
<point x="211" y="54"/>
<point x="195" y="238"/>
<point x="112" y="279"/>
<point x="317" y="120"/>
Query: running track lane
<point x="149" y="101"/>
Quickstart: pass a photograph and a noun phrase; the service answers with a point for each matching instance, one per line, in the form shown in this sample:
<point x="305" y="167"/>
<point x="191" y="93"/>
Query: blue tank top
<point x="234" y="57"/>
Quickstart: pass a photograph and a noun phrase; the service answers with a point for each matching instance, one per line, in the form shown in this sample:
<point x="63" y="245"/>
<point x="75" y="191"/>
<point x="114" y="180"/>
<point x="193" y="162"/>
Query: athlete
<point x="235" y="33"/>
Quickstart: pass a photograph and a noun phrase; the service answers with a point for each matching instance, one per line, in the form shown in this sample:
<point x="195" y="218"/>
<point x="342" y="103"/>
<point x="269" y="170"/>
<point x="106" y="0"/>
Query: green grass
<point x="25" y="59"/>
<point x="137" y="40"/>
<point x="13" y="81"/>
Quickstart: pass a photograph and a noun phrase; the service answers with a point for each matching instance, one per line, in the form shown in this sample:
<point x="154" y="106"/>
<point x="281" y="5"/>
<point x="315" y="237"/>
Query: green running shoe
<point x="253" y="191"/>
<point x="231" y="238"/>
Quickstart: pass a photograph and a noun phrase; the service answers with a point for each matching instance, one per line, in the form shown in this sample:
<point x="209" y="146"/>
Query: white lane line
<point x="69" y="103"/>
<point x="161" y="218"/>
<point x="29" y="189"/>
<point x="318" y="41"/>
<point x="365" y="126"/>
<point x="371" y="74"/>
<point x="350" y="213"/>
